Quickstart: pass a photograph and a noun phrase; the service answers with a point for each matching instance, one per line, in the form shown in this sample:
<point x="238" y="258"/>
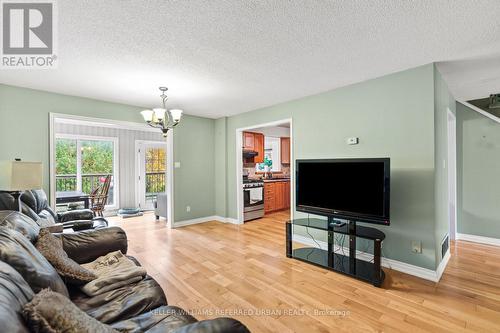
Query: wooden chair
<point x="99" y="197"/>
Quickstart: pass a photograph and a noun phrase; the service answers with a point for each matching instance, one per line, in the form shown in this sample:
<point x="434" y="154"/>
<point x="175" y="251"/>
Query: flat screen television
<point x="353" y="189"/>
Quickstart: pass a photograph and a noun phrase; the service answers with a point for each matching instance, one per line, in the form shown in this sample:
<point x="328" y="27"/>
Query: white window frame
<point x="116" y="157"/>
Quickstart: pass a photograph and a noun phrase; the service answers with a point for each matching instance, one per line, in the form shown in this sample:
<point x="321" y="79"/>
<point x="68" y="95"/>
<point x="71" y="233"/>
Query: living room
<point x="346" y="87"/>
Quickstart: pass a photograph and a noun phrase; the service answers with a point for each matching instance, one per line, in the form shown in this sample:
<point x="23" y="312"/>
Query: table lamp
<point x="17" y="176"/>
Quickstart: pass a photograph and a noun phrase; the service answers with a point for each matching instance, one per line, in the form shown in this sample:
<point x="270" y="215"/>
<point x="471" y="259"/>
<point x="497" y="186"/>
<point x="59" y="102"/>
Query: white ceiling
<point x="472" y="78"/>
<point x="224" y="57"/>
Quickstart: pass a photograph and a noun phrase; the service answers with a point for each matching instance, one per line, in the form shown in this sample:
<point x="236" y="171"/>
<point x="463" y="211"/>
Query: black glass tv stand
<point x="338" y="261"/>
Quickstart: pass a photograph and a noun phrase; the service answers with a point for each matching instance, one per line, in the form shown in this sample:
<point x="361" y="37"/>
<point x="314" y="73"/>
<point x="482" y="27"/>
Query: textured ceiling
<point x="472" y="78"/>
<point x="224" y="57"/>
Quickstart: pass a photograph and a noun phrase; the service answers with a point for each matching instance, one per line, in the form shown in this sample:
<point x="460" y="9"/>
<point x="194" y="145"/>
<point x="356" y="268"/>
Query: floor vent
<point x="445" y="245"/>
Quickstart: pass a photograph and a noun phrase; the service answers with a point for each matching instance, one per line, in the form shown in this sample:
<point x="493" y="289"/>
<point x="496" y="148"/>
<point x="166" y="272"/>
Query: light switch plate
<point x="177" y="165"/>
<point x="416" y="246"/>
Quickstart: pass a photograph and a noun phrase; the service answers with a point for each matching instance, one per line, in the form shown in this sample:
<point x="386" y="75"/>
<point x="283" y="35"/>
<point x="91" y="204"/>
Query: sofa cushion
<point x="37" y="201"/>
<point x="31" y="208"/>
<point x="51" y="248"/>
<point x="51" y="312"/>
<point x="17" y="251"/>
<point x="20" y="222"/>
<point x="14" y="293"/>
<point x="86" y="246"/>
<point x="122" y="303"/>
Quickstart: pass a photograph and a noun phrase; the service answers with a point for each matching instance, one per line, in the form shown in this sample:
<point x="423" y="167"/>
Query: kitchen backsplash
<point x="252" y="173"/>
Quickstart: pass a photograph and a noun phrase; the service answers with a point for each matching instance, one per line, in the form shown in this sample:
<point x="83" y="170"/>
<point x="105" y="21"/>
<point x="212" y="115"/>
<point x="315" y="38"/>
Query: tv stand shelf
<point x="345" y="263"/>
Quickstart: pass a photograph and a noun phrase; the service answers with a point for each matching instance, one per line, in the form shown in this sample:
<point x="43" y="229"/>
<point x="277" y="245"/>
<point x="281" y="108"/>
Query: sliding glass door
<point x="83" y="162"/>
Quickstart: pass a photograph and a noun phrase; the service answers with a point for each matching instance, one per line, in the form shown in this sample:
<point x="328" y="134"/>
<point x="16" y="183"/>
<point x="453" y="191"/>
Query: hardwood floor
<point x="216" y="269"/>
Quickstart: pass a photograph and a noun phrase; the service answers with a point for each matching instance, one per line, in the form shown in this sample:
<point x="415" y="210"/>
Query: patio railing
<point x="155" y="183"/>
<point x="89" y="182"/>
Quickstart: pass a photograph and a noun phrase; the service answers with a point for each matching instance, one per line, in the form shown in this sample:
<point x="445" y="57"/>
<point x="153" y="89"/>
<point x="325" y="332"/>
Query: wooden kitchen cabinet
<point x="276" y="196"/>
<point x="279" y="200"/>
<point x="248" y="140"/>
<point x="269" y="197"/>
<point x="285" y="150"/>
<point x="258" y="140"/>
<point x="287" y="194"/>
<point x="255" y="142"/>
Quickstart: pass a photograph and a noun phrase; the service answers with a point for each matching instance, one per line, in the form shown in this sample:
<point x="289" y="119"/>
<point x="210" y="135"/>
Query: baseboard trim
<point x="226" y="220"/>
<point x="396" y="265"/>
<point x="194" y="221"/>
<point x="443" y="264"/>
<point x="479" y="239"/>
<point x="204" y="220"/>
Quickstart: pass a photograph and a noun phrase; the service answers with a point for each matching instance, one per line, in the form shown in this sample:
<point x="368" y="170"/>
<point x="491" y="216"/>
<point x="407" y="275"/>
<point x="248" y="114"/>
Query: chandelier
<point x="161" y="117"/>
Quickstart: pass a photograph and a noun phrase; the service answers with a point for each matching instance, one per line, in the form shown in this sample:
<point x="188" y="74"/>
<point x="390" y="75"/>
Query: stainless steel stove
<point x="253" y="198"/>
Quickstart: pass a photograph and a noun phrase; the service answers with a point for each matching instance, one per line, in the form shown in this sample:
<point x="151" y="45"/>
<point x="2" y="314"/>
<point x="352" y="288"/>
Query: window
<point x="156" y="166"/>
<point x="66" y="165"/>
<point x="272" y="157"/>
<point x="82" y="163"/>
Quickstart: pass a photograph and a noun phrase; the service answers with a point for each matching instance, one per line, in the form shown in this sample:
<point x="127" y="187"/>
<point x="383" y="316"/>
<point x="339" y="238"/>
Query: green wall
<point x="478" y="161"/>
<point x="24" y="133"/>
<point x="443" y="100"/>
<point x="220" y="166"/>
<point x="393" y="116"/>
<point x="194" y="180"/>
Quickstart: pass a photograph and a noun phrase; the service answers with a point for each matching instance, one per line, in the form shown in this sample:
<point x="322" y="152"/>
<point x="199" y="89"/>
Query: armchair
<point x="34" y="204"/>
<point x="83" y="246"/>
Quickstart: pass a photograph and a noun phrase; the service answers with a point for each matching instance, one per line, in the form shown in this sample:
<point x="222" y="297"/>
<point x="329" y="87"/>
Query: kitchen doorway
<point x="264" y="170"/>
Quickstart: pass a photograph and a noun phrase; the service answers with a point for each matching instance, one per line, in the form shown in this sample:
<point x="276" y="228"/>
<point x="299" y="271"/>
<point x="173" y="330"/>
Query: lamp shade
<point x="176" y="114"/>
<point x="20" y="176"/>
<point x="159" y="113"/>
<point x="147" y="115"/>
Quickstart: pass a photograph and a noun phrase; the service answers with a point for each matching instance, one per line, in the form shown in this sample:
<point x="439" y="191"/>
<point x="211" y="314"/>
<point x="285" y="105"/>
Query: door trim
<point x="138" y="161"/>
<point x="451" y="118"/>
<point x="169" y="179"/>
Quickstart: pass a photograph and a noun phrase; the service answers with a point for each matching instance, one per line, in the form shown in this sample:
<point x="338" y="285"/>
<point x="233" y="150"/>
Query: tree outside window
<point x="96" y="162"/>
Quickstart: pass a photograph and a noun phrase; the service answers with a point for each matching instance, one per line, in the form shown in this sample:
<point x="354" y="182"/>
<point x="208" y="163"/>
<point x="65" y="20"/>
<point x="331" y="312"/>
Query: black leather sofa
<point x="138" y="307"/>
<point x="34" y="204"/>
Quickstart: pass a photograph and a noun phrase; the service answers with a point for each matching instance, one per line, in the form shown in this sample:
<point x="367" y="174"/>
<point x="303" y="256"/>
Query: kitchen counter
<point x="273" y="180"/>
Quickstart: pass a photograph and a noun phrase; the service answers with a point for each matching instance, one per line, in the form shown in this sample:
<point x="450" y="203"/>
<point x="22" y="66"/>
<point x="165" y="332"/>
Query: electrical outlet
<point x="188" y="209"/>
<point x="416" y="246"/>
